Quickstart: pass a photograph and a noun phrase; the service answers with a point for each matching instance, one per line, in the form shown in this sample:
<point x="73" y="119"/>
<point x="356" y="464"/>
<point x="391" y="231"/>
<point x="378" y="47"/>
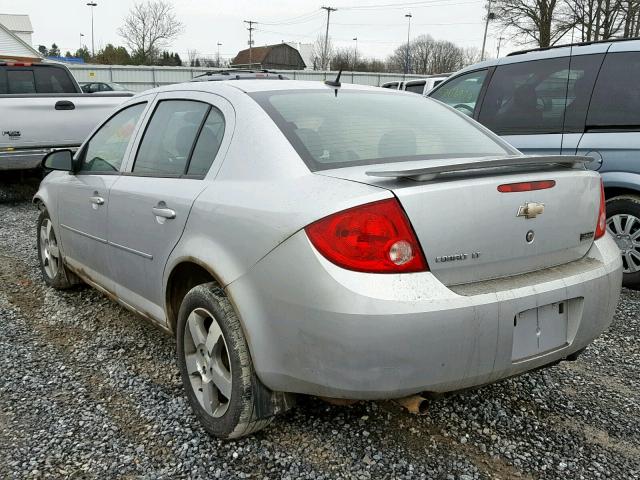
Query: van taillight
<point x="376" y="238"/>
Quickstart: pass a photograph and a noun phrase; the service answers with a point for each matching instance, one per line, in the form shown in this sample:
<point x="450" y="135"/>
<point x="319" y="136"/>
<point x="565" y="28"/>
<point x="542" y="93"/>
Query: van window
<point x="415" y="87"/>
<point x="462" y="92"/>
<point x="527" y="98"/>
<point x="616" y="96"/>
<point x="582" y="76"/>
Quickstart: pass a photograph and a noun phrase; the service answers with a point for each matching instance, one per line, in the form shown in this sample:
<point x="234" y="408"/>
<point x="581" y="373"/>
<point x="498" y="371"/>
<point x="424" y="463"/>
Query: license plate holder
<point x="540" y="330"/>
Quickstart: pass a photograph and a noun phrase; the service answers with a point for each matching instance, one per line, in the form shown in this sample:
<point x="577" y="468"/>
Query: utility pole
<point x="486" y="28"/>
<point x="218" y="59"/>
<point x="93" y="47"/>
<point x="406" y="63"/>
<point x="81" y="35"/>
<point x="355" y="55"/>
<point x="251" y="28"/>
<point x="499" y="43"/>
<point x="325" y="53"/>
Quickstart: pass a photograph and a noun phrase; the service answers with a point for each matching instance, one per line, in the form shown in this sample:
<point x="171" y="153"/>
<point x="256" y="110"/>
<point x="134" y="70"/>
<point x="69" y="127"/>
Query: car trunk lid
<point x="470" y="231"/>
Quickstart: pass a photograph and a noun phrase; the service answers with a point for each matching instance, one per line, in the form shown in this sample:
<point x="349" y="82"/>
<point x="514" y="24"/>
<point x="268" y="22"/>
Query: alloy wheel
<point x="208" y="363"/>
<point x="49" y="251"/>
<point x="625" y="230"/>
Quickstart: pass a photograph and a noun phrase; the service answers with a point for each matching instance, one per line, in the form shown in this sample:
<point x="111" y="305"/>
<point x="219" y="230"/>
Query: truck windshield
<point x="361" y="128"/>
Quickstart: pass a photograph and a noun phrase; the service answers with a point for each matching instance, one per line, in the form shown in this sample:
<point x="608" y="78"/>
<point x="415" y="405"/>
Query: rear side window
<point x="208" y="144"/>
<point x="21" y="81"/>
<point x="616" y="96"/>
<point x="462" y="92"/>
<point x="53" y="80"/>
<point x="169" y="138"/>
<point x="415" y="87"/>
<point x="584" y="70"/>
<point x="361" y="128"/>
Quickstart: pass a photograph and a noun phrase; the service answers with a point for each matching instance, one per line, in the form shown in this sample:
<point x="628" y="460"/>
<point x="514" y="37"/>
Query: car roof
<point x="260" y="85"/>
<point x="587" y="48"/>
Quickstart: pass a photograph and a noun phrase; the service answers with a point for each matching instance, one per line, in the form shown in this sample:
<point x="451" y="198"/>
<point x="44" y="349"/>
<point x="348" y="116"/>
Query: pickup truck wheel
<point x="52" y="266"/>
<point x="220" y="382"/>
<point x="623" y="223"/>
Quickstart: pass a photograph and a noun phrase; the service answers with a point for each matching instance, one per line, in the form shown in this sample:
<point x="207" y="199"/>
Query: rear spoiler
<point x="417" y="170"/>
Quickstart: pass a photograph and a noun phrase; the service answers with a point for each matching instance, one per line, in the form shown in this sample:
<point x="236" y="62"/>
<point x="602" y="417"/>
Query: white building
<point x="306" y="52"/>
<point x="15" y="37"/>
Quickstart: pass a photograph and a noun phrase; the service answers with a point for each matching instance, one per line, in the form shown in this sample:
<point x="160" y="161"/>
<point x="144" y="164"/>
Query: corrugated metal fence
<point x="138" y="78"/>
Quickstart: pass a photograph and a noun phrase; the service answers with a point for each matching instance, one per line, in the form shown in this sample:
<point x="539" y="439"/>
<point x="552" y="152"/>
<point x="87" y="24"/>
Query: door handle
<point x="164" y="212"/>
<point x="65" y="105"/>
<point x="97" y="200"/>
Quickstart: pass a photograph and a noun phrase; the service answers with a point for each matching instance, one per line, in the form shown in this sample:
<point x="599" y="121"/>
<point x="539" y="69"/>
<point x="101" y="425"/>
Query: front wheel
<point x="52" y="266"/>
<point x="218" y="376"/>
<point x="623" y="223"/>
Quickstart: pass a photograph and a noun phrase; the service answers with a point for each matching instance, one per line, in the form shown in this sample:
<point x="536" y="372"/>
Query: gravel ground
<point x="88" y="390"/>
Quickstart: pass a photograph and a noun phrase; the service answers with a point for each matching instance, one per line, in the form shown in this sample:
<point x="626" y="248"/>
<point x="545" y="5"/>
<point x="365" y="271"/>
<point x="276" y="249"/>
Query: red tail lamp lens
<point x="526" y="186"/>
<point x="601" y="227"/>
<point x="376" y="238"/>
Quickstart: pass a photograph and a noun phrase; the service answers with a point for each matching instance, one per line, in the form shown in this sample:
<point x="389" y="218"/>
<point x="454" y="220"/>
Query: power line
<point x="404" y="5"/>
<point x="308" y="17"/>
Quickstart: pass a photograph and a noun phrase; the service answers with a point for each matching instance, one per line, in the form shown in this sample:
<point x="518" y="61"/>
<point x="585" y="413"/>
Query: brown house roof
<point x="258" y="54"/>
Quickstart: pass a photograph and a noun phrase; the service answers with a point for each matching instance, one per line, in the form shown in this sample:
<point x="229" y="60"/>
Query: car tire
<point x="619" y="213"/>
<point x="214" y="361"/>
<point x="52" y="266"/>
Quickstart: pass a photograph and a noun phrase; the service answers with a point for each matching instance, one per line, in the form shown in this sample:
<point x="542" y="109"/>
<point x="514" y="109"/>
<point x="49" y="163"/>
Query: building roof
<point x="12" y="46"/>
<point x="259" y="54"/>
<point x="16" y="23"/>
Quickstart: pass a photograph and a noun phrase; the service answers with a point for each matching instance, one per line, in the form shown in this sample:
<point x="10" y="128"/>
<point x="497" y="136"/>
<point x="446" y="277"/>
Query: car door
<point x="612" y="130"/>
<point x="84" y="198"/>
<point x="151" y="202"/>
<point x="525" y="102"/>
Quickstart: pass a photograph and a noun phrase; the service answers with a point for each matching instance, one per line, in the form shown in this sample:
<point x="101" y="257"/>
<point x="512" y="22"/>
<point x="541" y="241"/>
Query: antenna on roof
<point x="336" y="82"/>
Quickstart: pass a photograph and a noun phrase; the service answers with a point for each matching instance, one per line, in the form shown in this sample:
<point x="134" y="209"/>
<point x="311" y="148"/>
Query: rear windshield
<point x="35" y="79"/>
<point x="361" y="128"/>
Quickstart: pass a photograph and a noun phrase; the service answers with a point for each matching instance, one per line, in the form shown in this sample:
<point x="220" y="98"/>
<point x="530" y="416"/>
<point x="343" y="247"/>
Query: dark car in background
<point x="581" y="99"/>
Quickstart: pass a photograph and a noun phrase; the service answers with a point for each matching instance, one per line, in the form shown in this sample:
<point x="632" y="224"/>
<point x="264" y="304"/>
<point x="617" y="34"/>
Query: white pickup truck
<point x="43" y="108"/>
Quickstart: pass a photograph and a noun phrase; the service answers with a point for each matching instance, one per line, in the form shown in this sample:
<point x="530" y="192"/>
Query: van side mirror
<point x="58" y="160"/>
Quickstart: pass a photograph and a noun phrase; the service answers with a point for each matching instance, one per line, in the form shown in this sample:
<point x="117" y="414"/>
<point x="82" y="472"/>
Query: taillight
<point x="376" y="237"/>
<point x="601" y="227"/>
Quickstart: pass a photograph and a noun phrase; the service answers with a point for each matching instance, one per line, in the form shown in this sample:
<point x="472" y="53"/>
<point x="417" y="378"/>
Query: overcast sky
<point x="379" y="30"/>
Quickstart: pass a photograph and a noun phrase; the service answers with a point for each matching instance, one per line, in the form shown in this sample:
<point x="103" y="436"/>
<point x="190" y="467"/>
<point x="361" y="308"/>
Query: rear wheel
<point x="623" y="223"/>
<point x="216" y="368"/>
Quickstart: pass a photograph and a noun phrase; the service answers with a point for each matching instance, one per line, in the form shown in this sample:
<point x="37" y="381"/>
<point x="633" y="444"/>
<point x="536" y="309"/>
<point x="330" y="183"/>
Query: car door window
<point x="582" y="76"/>
<point x="616" y="96"/>
<point x="170" y="135"/>
<point x="53" y="80"/>
<point x="208" y="144"/>
<point x="21" y="81"/>
<point x="105" y="151"/>
<point x="527" y="98"/>
<point x="415" y="87"/>
<point x="462" y="92"/>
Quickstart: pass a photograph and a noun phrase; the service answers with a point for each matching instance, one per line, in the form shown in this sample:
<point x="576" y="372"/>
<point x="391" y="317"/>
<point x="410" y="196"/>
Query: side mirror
<point x="58" y="160"/>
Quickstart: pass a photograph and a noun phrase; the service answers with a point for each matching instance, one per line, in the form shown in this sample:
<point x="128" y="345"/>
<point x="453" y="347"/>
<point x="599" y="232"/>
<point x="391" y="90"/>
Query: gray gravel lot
<point x="87" y="390"/>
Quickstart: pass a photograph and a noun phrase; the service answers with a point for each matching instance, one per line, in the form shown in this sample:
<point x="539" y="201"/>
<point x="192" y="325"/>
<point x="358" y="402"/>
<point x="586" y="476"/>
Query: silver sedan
<point x="340" y="241"/>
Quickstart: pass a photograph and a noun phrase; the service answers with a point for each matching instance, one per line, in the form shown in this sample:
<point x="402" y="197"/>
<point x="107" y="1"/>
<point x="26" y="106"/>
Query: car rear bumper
<point x="317" y="329"/>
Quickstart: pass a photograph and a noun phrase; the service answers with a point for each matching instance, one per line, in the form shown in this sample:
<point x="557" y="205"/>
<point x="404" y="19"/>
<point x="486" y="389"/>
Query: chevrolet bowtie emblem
<point x="530" y="210"/>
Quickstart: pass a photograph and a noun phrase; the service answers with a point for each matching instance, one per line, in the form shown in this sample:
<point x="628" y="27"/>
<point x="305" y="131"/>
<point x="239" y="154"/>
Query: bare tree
<point x="428" y="56"/>
<point x="191" y="57"/>
<point x="149" y="27"/>
<point x="532" y="20"/>
<point x="602" y="19"/>
<point x="317" y="53"/>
